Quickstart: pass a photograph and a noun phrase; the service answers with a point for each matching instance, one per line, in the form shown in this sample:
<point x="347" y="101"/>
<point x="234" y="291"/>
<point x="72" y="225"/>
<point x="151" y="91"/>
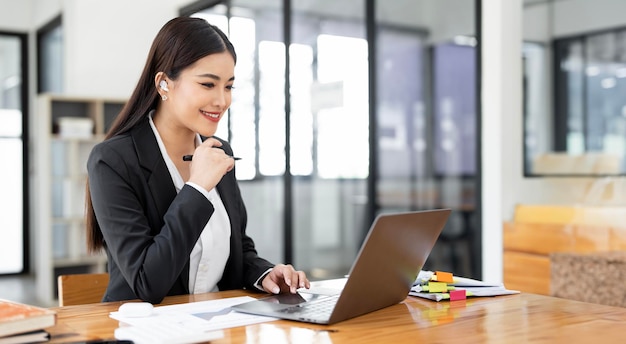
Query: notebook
<point x="393" y="253"/>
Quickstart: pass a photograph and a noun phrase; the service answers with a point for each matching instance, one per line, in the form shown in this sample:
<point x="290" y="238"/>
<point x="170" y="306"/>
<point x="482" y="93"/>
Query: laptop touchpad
<point x="284" y="299"/>
<point x="279" y="301"/>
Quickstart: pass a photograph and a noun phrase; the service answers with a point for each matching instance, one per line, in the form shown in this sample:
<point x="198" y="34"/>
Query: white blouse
<point x="209" y="255"/>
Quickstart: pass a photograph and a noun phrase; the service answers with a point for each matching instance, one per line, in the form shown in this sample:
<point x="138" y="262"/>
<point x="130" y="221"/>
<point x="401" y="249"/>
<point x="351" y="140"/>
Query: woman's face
<point x="201" y="94"/>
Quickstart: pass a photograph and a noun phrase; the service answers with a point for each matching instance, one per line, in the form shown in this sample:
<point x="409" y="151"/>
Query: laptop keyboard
<point x="318" y="309"/>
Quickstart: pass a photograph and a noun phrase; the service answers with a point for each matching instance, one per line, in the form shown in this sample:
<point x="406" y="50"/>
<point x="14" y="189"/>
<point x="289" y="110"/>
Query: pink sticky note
<point x="457" y="295"/>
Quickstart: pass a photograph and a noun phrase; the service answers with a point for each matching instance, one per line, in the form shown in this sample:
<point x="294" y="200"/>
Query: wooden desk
<point x="522" y="318"/>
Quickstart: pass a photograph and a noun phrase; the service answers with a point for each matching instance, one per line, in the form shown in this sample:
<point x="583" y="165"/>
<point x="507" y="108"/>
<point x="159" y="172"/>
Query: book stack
<point x="22" y="323"/>
<point x="441" y="285"/>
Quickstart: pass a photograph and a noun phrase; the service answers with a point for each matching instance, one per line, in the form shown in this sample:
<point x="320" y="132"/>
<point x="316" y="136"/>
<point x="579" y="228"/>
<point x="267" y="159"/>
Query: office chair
<point x="78" y="289"/>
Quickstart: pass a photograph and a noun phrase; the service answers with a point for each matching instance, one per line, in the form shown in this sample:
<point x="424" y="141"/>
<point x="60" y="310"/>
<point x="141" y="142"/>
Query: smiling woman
<point x="170" y="226"/>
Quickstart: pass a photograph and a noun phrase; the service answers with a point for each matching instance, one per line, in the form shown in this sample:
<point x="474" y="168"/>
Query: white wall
<point x="536" y="23"/>
<point x="501" y="120"/>
<point x="545" y="20"/>
<point x="397" y="13"/>
<point x="449" y="18"/>
<point x="444" y="19"/>
<point x="576" y="16"/>
<point x="43" y="11"/>
<point x="107" y="42"/>
<point x="16" y="16"/>
<point x="26" y="16"/>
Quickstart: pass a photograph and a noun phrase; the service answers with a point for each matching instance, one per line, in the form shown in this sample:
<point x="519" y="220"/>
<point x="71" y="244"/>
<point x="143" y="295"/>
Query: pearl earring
<point x="164" y="97"/>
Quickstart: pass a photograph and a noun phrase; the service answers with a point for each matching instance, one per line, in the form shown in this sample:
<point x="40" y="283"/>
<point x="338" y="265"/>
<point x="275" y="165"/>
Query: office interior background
<point x="376" y="106"/>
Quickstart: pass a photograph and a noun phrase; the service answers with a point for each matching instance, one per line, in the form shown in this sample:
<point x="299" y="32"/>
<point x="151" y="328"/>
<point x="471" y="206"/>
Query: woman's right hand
<point x="209" y="164"/>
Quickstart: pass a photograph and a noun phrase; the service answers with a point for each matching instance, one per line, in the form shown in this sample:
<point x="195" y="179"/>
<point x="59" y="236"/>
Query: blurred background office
<point x="342" y="110"/>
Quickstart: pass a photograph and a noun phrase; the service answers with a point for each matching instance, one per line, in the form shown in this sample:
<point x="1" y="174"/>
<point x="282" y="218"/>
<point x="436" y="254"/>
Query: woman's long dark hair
<point x="181" y="42"/>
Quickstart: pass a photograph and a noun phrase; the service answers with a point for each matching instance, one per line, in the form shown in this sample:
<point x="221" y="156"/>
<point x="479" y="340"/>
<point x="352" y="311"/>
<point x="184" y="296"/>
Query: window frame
<point x="24" y="95"/>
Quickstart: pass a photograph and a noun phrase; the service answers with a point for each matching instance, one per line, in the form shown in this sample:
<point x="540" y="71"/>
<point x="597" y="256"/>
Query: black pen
<point x="189" y="157"/>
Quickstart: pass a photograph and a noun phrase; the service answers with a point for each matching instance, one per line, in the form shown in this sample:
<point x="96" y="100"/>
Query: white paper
<point x="325" y="287"/>
<point x="201" y="316"/>
<point x="476" y="291"/>
<point x="424" y="276"/>
<point x="430" y="296"/>
<point x="475" y="287"/>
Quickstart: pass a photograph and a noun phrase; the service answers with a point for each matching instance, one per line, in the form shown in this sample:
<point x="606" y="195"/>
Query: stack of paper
<point x="441" y="285"/>
<point x="194" y="322"/>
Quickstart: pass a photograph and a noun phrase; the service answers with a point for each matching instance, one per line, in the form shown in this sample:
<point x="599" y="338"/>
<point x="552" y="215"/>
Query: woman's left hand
<point x="284" y="278"/>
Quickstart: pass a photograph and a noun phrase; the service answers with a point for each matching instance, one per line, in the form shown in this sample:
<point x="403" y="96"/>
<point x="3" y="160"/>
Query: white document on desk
<point x="202" y="316"/>
<point x="473" y="286"/>
<point x="475" y="292"/>
<point x="424" y="277"/>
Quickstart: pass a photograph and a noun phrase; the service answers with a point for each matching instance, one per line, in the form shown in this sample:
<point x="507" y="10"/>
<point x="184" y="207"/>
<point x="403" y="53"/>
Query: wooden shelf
<point x="59" y="176"/>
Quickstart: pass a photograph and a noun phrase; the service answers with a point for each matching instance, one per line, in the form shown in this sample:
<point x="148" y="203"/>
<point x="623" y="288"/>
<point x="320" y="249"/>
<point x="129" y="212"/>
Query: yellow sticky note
<point x="437" y="287"/>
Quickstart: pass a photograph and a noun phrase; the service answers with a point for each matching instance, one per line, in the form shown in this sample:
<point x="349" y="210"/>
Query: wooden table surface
<point x="521" y="318"/>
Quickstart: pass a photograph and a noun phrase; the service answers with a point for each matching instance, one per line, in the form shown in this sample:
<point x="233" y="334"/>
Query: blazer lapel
<point x="153" y="167"/>
<point x="158" y="178"/>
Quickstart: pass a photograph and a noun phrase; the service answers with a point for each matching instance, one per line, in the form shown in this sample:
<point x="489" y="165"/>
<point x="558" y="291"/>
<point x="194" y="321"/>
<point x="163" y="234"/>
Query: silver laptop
<point x="385" y="268"/>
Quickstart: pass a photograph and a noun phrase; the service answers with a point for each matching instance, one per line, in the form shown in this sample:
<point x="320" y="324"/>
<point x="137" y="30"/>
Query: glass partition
<point x="329" y="125"/>
<point x="426" y="120"/>
<point x="307" y="174"/>
<point x="256" y="119"/>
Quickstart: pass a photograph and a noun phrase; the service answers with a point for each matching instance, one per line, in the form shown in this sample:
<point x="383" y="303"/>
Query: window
<point x="589" y="132"/>
<point x="13" y="138"/>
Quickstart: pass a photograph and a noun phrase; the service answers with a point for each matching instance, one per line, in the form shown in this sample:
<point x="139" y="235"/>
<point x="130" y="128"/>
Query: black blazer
<point x="149" y="230"/>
